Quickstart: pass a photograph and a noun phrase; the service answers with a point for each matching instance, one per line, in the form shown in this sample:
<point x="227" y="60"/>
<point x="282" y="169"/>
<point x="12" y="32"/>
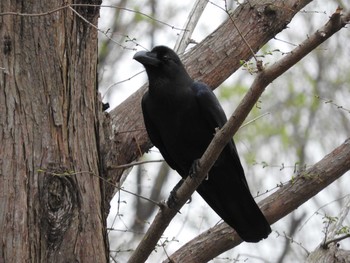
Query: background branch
<point x="185" y="36"/>
<point x="329" y="250"/>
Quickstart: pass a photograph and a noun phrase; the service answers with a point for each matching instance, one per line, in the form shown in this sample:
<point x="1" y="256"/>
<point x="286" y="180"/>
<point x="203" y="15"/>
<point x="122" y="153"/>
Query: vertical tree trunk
<point x="50" y="195"/>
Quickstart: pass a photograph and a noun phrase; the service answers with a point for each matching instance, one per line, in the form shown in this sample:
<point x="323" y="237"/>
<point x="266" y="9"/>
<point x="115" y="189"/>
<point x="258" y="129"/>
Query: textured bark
<point x="211" y="61"/>
<point x="330" y="255"/>
<point x="50" y="196"/>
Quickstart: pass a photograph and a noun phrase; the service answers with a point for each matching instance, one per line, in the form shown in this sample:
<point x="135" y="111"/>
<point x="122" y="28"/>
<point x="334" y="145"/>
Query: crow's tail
<point x="227" y="192"/>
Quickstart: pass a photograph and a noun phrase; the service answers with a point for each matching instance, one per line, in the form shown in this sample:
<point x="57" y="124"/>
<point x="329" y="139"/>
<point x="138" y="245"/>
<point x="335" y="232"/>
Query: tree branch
<point x="185" y="36"/>
<point x="221" y="138"/>
<point x="328" y="250"/>
<point x="337" y="225"/>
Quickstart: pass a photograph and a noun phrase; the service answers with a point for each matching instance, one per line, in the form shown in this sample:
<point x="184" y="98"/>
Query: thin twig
<point x="99" y="30"/>
<point x="320" y="208"/>
<point x="89" y="5"/>
<point x="70" y="173"/>
<point x="132" y="11"/>
<point x="331" y="102"/>
<point x="70" y="6"/>
<point x="122" y="166"/>
<point x="238" y="30"/>
<point x="337" y="225"/>
<point x="34" y="14"/>
<point x="335" y="240"/>
<point x="120" y="82"/>
<point x="253" y="120"/>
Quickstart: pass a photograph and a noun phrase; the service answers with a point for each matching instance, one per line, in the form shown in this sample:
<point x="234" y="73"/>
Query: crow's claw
<point x="194" y="168"/>
<point x="189" y="200"/>
<point x="172" y="200"/>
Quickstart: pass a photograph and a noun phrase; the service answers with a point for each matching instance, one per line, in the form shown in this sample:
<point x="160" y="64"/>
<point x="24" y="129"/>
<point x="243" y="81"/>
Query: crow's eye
<point x="166" y="58"/>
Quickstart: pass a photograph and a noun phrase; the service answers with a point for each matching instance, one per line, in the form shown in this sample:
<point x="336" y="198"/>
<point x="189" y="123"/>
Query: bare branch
<point x="105" y="33"/>
<point x="335" y="240"/>
<point x="227" y="11"/>
<point x="334" y="230"/>
<point x="88" y="5"/>
<point x="122" y="166"/>
<point x="34" y="14"/>
<point x="191" y="23"/>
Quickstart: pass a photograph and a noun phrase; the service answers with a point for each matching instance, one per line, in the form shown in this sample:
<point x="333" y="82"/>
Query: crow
<point x="181" y="116"/>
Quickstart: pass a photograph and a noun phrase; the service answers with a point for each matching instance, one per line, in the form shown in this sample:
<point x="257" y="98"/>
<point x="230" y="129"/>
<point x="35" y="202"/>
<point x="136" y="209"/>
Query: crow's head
<point x="161" y="63"/>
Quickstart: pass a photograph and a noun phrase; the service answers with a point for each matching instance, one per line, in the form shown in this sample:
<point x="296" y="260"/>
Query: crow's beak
<point x="146" y="58"/>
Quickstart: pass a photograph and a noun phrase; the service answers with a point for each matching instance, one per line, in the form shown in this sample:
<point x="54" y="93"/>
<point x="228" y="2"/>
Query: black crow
<point x="181" y="116"/>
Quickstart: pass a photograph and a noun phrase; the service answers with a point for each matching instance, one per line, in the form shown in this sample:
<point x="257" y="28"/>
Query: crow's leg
<point x="194" y="170"/>
<point x="172" y="200"/>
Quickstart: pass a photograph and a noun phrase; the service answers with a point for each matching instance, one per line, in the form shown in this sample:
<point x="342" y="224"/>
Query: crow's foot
<point x="194" y="168"/>
<point x="172" y="201"/>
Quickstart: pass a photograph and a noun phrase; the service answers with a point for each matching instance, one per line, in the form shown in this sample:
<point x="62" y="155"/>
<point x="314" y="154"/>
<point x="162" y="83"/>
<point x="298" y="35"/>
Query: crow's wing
<point x="216" y="118"/>
<point x="209" y="104"/>
<point x="154" y="134"/>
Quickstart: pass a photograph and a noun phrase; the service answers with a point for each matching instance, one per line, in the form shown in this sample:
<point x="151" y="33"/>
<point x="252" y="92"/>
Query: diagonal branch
<point x="221" y="138"/>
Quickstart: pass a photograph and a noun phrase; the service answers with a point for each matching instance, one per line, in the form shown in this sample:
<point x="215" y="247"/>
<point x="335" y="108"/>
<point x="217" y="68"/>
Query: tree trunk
<point x="50" y="192"/>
